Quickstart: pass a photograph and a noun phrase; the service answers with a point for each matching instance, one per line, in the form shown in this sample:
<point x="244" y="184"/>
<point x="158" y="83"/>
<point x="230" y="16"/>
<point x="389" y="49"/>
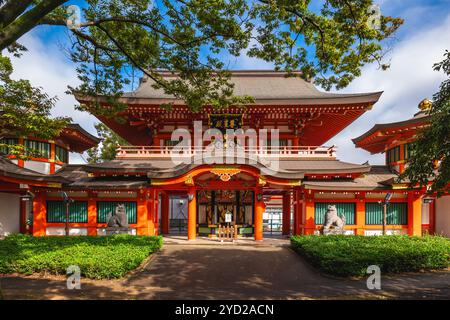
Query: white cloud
<point x="47" y="66"/>
<point x="409" y="80"/>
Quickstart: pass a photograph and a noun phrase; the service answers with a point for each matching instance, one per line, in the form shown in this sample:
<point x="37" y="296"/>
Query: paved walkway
<point x="267" y="270"/>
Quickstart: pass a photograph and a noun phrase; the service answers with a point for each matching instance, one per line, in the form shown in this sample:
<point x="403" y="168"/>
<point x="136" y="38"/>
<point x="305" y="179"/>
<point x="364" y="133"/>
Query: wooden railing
<point x="148" y="152"/>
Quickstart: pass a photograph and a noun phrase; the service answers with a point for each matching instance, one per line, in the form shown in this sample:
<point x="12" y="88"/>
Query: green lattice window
<point x="393" y="155"/>
<point x="5" y="142"/>
<point x="343" y="208"/>
<point x="397" y="213"/>
<point x="408" y="150"/>
<point x="42" y="148"/>
<point x="56" y="211"/>
<point x="105" y="208"/>
<point x="61" y="154"/>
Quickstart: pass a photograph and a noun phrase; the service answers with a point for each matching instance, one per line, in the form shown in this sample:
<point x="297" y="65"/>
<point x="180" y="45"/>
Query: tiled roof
<point x="261" y="85"/>
<point x="111" y="183"/>
<point x="165" y="168"/>
<point x="265" y="86"/>
<point x="379" y="177"/>
<point x="419" y="118"/>
<point x="10" y="169"/>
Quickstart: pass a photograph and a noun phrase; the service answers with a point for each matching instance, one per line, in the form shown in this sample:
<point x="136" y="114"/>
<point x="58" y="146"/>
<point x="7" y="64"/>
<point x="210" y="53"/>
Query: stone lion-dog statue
<point x="119" y="218"/>
<point x="333" y="224"/>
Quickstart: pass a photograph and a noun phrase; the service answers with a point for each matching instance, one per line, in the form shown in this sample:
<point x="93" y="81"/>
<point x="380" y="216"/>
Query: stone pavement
<point x="206" y="269"/>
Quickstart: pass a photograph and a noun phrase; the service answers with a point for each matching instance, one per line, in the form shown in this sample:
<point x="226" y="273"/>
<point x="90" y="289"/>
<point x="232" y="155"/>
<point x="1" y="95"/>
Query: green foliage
<point x="197" y="39"/>
<point x="342" y="255"/>
<point x="433" y="144"/>
<point x="99" y="257"/>
<point x="107" y="149"/>
<point x="19" y="151"/>
<point x="24" y="109"/>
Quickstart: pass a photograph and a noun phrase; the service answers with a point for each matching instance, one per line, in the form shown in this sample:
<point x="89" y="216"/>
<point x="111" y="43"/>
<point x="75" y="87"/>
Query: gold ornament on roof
<point x="189" y="180"/>
<point x="425" y="104"/>
<point x="225" y="174"/>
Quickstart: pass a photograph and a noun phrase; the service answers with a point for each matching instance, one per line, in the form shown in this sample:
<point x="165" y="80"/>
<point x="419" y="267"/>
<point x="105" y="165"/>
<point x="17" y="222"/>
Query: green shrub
<point x="351" y="255"/>
<point x="97" y="257"/>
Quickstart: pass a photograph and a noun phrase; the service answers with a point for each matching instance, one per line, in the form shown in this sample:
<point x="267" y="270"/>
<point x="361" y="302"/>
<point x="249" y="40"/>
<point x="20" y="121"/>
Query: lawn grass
<point x="98" y="257"/>
<point x="342" y="255"/>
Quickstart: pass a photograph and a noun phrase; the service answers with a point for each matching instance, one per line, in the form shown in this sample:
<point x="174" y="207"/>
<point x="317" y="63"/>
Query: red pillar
<point x="39" y="215"/>
<point x="432" y="215"/>
<point x="152" y="212"/>
<point x="192" y="214"/>
<point x="414" y="214"/>
<point x="401" y="165"/>
<point x="164" y="213"/>
<point x="52" y="157"/>
<point x="142" y="215"/>
<point x="295" y="230"/>
<point x="308" y="213"/>
<point x="286" y="227"/>
<point x="298" y="212"/>
<point x="92" y="214"/>
<point x="259" y="211"/>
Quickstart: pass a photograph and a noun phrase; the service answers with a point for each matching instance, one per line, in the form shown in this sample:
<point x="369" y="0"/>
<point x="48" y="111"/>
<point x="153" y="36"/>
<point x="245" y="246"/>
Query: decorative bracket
<point x="262" y="181"/>
<point x="225" y="174"/>
<point x="189" y="180"/>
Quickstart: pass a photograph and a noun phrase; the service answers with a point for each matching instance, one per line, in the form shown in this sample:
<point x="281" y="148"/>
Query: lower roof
<point x="11" y="170"/>
<point x="79" y="139"/>
<point x="376" y="139"/>
<point x="378" y="178"/>
<point x="166" y="167"/>
<point x="79" y="176"/>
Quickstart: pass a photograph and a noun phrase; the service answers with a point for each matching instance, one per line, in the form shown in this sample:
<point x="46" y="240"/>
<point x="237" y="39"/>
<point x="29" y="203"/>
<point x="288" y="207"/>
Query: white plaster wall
<point x="9" y="213"/>
<point x="388" y="232"/>
<point x="102" y="231"/>
<point x="443" y="216"/>
<point x="425" y="213"/>
<point x="41" y="167"/>
<point x="61" y="231"/>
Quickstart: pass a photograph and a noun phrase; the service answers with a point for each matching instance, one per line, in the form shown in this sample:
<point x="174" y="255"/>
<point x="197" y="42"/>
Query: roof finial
<point x="425" y="104"/>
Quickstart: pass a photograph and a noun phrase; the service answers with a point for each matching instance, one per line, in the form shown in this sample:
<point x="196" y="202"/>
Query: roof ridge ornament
<point x="425" y="104"/>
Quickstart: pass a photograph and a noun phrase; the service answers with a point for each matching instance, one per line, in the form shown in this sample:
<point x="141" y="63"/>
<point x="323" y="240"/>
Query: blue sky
<point x="420" y="42"/>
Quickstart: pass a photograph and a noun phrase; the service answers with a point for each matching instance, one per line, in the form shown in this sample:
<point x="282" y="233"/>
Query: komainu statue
<point x="333" y="224"/>
<point x="119" y="218"/>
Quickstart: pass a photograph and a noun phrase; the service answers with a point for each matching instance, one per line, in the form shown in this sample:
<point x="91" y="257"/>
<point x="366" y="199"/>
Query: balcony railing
<point x="284" y="152"/>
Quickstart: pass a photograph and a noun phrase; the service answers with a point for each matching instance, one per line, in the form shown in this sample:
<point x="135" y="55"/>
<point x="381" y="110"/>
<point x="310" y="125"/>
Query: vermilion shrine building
<point x="163" y="197"/>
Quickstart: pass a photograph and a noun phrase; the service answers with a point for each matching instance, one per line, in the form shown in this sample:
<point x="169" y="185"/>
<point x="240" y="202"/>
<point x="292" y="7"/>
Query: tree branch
<point x="92" y="40"/>
<point x="132" y="60"/>
<point x="307" y="19"/>
<point x="12" y="9"/>
<point x="97" y="23"/>
<point x="27" y="21"/>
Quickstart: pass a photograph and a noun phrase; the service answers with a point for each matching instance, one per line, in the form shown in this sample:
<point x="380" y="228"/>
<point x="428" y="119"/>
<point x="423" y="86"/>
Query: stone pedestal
<point x="118" y="230"/>
<point x="329" y="231"/>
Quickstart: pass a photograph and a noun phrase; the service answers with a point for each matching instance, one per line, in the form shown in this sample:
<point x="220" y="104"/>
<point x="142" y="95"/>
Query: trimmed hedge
<point x="98" y="257"/>
<point x="342" y="255"/>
